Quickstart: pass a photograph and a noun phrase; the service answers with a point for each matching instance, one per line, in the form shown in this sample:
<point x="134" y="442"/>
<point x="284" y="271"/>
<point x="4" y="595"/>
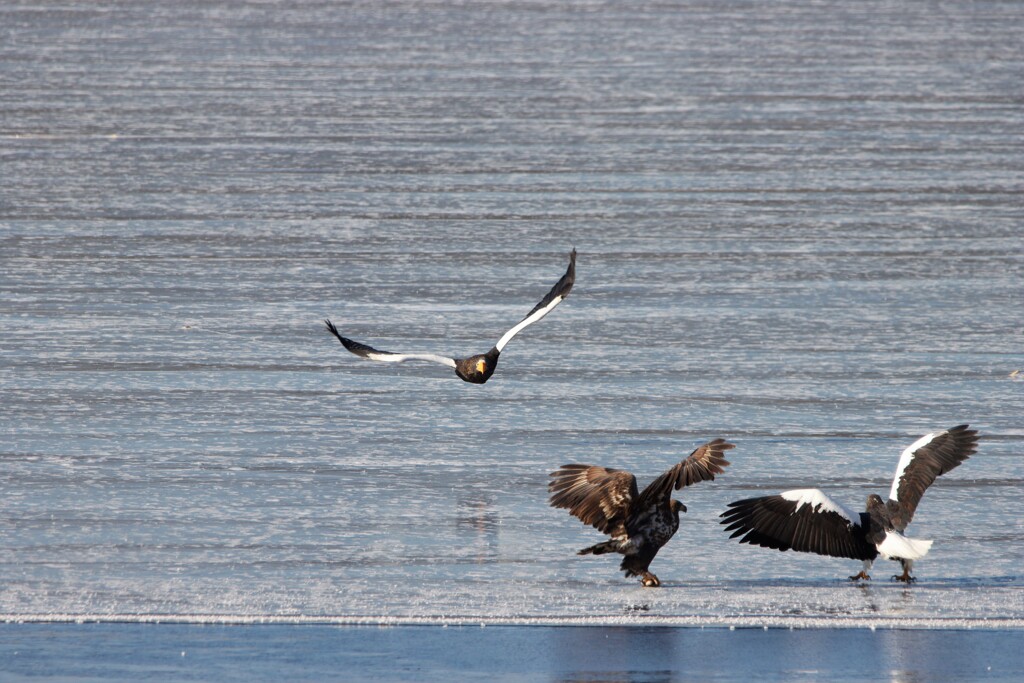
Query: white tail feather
<point x="896" y="545"/>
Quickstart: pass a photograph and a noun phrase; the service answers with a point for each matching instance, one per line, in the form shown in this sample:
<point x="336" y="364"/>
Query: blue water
<point x="798" y="228"/>
<point x="48" y="652"/>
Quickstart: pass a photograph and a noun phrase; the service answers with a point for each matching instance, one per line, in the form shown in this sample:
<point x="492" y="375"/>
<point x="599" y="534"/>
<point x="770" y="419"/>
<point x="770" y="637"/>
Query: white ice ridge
<point x="754" y="621"/>
<point x="818" y="501"/>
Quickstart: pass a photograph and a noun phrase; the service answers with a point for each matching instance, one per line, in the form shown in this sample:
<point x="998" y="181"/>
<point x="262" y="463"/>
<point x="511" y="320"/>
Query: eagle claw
<point x="861" y="575"/>
<point x="649" y="580"/>
<point x="905" y="578"/>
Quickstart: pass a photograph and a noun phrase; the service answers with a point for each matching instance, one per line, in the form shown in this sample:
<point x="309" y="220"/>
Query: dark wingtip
<point x="721" y="445"/>
<point x="969" y="435"/>
<point x="353" y="346"/>
<point x="564" y="285"/>
<point x="734" y="504"/>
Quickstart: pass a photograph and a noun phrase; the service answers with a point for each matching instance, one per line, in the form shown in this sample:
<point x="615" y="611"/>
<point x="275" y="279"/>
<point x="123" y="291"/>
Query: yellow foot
<point x="862" y="575"/>
<point x="649" y="580"/>
<point x="905" y="577"/>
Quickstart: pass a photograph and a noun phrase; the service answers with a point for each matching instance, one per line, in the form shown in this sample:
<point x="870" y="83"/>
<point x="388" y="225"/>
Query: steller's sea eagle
<point x="639" y="523"/>
<point x="479" y="368"/>
<point x="809" y="521"/>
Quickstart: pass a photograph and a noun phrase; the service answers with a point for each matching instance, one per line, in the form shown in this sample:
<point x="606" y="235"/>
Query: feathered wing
<point x="805" y="520"/>
<point x="546" y="305"/>
<point x="598" y="496"/>
<point x="385" y="356"/>
<point x="920" y="464"/>
<point x="701" y="465"/>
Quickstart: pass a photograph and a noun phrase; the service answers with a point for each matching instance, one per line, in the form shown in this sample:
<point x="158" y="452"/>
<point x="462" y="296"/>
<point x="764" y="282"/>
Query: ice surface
<point x="798" y="238"/>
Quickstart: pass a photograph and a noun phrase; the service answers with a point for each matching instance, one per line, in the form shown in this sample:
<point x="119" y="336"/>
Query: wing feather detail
<point x="805" y="520"/>
<point x="371" y="353"/>
<point x="701" y="465"/>
<point x="921" y="463"/>
<point x="546" y="305"/>
<point x="598" y="496"/>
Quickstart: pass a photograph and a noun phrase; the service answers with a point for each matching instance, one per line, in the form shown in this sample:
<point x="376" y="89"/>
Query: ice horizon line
<point x="715" y="622"/>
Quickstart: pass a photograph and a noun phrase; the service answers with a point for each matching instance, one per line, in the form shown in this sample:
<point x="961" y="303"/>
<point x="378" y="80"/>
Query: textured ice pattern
<point x="800" y="231"/>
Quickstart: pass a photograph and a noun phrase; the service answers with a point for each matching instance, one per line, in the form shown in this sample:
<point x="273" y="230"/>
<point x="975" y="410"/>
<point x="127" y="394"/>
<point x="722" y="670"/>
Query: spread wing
<point x="598" y="496"/>
<point x="385" y="356"/>
<point x="546" y="305"/>
<point x="701" y="465"/>
<point x="803" y="519"/>
<point x="923" y="461"/>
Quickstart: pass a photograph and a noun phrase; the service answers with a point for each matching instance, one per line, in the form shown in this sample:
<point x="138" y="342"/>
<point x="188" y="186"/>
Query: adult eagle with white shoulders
<point x="478" y="368"/>
<point x="808" y="521"/>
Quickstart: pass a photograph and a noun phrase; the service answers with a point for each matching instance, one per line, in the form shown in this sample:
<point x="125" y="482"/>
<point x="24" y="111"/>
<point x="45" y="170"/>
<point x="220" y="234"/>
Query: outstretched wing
<point x="923" y="461"/>
<point x="546" y="305"/>
<point x="385" y="356"/>
<point x="803" y="519"/>
<point x="598" y="496"/>
<point x="701" y="465"/>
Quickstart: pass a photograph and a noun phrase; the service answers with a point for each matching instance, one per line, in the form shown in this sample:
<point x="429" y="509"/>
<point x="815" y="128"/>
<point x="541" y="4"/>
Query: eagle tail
<point x="600" y="548"/>
<point x="898" y="546"/>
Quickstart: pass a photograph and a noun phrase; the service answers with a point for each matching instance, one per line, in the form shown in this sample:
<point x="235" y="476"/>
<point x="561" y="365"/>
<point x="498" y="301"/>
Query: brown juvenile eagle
<point x="639" y="523"/>
<point x="809" y="521"/>
<point x="476" y="369"/>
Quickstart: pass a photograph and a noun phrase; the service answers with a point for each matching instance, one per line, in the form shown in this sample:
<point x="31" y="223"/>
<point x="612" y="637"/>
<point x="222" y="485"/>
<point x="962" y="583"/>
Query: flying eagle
<point x="479" y="368"/>
<point x="809" y="521"/>
<point x="639" y="523"/>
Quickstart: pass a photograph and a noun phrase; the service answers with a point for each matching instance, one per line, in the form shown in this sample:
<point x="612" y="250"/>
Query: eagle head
<point x="678" y="507"/>
<point x="874" y="500"/>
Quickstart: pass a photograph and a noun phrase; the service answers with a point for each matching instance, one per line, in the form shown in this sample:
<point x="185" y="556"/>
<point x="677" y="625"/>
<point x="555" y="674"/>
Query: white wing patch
<point x="896" y="545"/>
<point x="528" y="320"/>
<point x="905" y="458"/>
<point x="399" y="357"/>
<point x="818" y="501"/>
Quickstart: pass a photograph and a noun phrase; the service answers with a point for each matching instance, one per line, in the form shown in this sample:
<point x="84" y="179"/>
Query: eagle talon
<point x="905" y="578"/>
<point x="861" y="575"/>
<point x="650" y="580"/>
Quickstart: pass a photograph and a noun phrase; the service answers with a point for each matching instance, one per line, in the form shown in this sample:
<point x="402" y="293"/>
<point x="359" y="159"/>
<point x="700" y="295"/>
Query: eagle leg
<point x="863" y="573"/>
<point x="905" y="577"/>
<point x="649" y="580"/>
